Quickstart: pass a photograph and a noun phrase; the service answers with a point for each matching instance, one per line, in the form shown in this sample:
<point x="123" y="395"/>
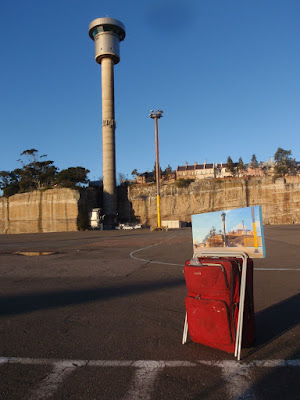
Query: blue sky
<point x="225" y="73"/>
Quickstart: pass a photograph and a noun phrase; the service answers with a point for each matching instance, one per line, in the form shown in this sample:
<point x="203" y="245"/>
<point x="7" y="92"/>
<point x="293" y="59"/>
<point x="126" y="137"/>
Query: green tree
<point x="254" y="162"/>
<point x="134" y="172"/>
<point x="284" y="163"/>
<point x="35" y="174"/>
<point x="240" y="166"/>
<point x="230" y="166"/>
<point x="168" y="171"/>
<point x="181" y="182"/>
<point x="72" y="177"/>
<point x="9" y="182"/>
<point x="154" y="172"/>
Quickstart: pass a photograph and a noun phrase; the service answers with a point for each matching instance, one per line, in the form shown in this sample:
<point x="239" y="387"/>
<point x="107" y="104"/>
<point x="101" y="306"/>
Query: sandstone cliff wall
<point x="280" y="200"/>
<point x="53" y="210"/>
<point x="58" y="210"/>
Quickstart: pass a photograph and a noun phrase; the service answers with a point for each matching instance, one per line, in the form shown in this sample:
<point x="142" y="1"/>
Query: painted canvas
<point x="240" y="229"/>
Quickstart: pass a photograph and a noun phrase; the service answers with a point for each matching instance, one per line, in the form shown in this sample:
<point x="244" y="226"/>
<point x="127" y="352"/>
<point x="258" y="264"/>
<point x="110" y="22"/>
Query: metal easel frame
<point x="239" y="331"/>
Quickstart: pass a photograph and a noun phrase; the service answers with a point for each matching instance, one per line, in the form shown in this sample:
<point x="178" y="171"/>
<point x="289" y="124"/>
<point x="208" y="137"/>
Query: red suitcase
<point x="212" y="302"/>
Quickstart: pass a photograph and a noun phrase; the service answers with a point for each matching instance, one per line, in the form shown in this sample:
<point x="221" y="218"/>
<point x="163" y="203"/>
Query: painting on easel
<point x="239" y="229"/>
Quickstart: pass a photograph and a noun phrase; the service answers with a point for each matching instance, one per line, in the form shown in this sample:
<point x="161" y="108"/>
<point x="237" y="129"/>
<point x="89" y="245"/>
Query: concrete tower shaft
<point x="107" y="34"/>
<point x="108" y="137"/>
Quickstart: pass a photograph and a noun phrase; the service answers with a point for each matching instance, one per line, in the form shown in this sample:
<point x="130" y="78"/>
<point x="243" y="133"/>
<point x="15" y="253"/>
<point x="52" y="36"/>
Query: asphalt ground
<point x="102" y="318"/>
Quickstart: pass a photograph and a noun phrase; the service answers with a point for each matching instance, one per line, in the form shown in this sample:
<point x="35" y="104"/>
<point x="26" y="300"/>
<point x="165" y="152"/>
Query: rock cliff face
<point x="54" y="210"/>
<point x="280" y="199"/>
<point x="58" y="210"/>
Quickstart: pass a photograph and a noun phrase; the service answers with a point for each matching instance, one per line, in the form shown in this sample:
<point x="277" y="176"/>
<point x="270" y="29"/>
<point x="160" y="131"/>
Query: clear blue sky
<point x="225" y="73"/>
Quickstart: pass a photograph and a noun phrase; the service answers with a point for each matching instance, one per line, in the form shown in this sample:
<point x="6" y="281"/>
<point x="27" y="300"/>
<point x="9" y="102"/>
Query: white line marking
<point x="236" y="374"/>
<point x="277" y="269"/>
<point x="151" y="261"/>
<point x="238" y="382"/>
<point x="181" y="265"/>
<point x="143" y="381"/>
<point x="96" y="363"/>
<point x="49" y="385"/>
<point x="252" y="364"/>
<point x="142" y="363"/>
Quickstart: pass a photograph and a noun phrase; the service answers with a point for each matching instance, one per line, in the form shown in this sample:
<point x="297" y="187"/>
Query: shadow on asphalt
<point x="25" y="303"/>
<point x="278" y="383"/>
<point x="274" y="321"/>
<point x="270" y="323"/>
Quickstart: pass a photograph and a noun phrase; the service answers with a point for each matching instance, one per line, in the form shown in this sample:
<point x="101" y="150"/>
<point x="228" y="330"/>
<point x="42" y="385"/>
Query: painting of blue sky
<point x="233" y="230"/>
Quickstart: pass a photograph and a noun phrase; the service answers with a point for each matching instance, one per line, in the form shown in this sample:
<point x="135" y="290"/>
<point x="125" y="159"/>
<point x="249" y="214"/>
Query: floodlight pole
<point x="156" y="115"/>
<point x="223" y="215"/>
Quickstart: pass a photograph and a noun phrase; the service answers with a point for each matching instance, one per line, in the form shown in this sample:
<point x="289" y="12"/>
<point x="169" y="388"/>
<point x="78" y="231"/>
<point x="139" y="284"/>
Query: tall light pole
<point x="156" y="115"/>
<point x="223" y="216"/>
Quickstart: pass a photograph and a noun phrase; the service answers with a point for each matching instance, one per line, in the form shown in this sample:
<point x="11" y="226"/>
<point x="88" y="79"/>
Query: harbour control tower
<point x="107" y="34"/>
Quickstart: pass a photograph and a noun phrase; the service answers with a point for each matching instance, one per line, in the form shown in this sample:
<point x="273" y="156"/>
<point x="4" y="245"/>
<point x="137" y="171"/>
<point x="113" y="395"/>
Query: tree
<point x="154" y="172"/>
<point x="254" y="162"/>
<point x="168" y="171"/>
<point x="240" y="166"/>
<point x="121" y="178"/>
<point x="284" y="163"/>
<point x="181" y="182"/>
<point x="213" y="231"/>
<point x="9" y="182"/>
<point x="72" y="177"/>
<point x="35" y="174"/>
<point x="230" y="166"/>
<point x="134" y="172"/>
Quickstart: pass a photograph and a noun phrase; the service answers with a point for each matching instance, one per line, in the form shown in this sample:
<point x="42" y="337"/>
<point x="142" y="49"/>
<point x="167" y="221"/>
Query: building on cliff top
<point x="210" y="170"/>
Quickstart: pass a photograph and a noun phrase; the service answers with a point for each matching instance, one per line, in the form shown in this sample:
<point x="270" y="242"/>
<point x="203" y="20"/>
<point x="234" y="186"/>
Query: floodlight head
<point x="155" y="114"/>
<point x="107" y="34"/>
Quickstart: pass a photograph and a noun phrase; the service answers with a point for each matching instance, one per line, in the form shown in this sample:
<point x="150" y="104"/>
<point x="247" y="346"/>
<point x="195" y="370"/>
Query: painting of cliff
<point x="228" y="231"/>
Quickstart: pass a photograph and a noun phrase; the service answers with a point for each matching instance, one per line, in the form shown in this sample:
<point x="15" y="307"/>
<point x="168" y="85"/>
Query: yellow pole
<point x="157" y="167"/>
<point x="254" y="230"/>
<point x="158" y="211"/>
<point x="255" y="236"/>
<point x="156" y="115"/>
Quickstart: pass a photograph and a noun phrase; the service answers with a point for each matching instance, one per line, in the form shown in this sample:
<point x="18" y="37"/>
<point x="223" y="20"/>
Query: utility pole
<point x="156" y="115"/>
<point x="223" y="216"/>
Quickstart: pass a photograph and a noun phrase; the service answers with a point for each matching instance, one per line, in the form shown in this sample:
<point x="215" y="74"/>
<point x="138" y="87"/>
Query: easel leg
<point x="238" y="344"/>
<point x="185" y="330"/>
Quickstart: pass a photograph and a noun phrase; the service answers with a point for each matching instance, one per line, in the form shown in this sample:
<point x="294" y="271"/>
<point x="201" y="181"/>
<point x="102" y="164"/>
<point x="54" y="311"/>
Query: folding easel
<point x="239" y="331"/>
